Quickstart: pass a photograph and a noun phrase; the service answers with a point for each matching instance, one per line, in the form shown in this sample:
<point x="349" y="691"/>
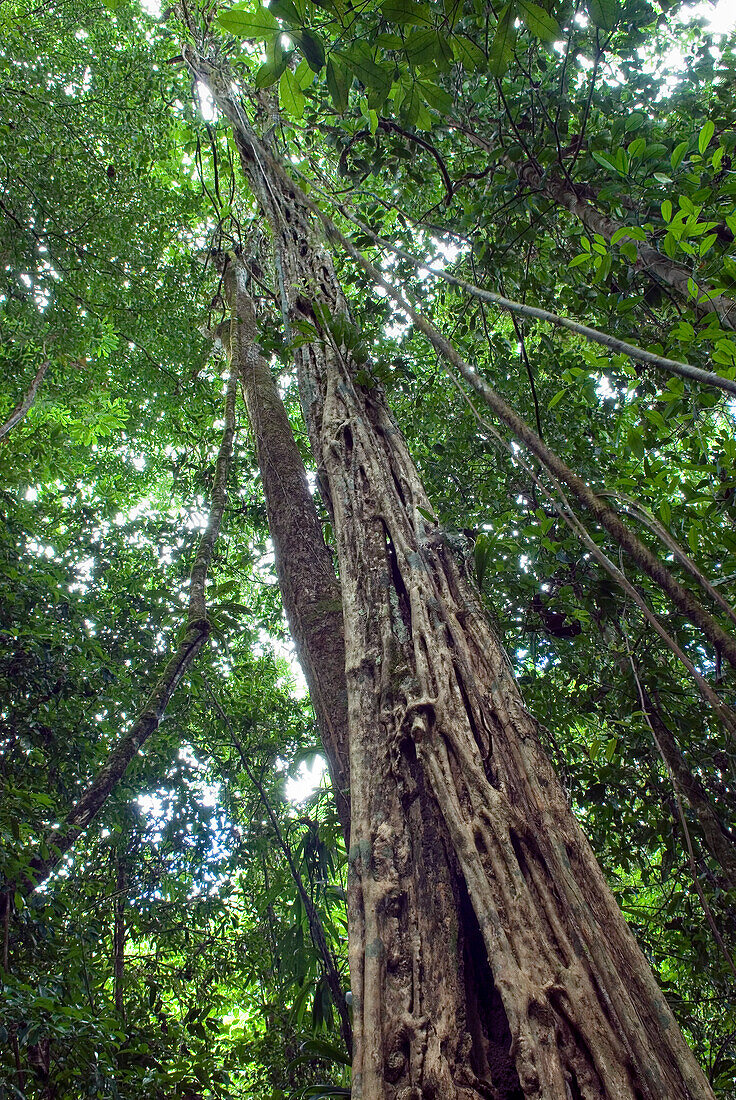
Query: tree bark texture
<point x="488" y="957"/>
<point x="309" y="588"/>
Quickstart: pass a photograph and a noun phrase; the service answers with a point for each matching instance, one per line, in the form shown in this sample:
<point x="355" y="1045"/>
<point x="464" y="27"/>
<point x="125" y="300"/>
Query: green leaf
<point x="666" y="209"/>
<point x="504" y="40"/>
<point x="427" y="515"/>
<point x="338" y="84"/>
<point x="453" y="11"/>
<point x="413" y="111"/>
<point x="705" y="136"/>
<point x="286" y="10"/>
<point x="321" y="1048"/>
<point x="580" y="259"/>
<point x="634" y="121"/>
<point x="359" y="60"/>
<point x="291" y="97"/>
<point x="470" y="56"/>
<point x="560" y="393"/>
<point x="604" y="13"/>
<point x="605" y="161"/>
<point x="407" y="13"/>
<point x="603" y="267"/>
<point x="422" y="46"/>
<point x="270" y="72"/>
<point x="481" y="554"/>
<point x="311" y="46"/>
<point x="678" y="154"/>
<point x="538" y="21"/>
<point x="304" y="74"/>
<point x="635" y="441"/>
<point x="436" y="97"/>
<point x="251" y="25"/>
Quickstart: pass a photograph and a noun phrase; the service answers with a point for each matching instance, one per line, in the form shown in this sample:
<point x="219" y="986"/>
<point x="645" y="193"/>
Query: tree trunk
<point x="488" y="957"/>
<point x="309" y="587"/>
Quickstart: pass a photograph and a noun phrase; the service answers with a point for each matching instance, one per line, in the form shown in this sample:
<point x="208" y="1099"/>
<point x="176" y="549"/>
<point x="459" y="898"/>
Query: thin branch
<point x="392" y="127"/>
<point x="686" y="832"/>
<point x="23" y="406"/>
<point x="641" y="355"/>
<point x="315" y="923"/>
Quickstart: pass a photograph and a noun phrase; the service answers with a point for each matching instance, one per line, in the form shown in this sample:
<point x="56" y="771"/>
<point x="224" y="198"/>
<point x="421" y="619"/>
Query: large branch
<point x="649" y="259"/>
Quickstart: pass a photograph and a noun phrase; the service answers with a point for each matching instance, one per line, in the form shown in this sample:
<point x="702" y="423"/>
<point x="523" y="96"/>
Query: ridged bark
<point x="488" y="956"/>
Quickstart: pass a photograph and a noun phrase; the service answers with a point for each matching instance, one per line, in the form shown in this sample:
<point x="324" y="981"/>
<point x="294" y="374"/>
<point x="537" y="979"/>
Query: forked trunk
<point x="488" y="957"/>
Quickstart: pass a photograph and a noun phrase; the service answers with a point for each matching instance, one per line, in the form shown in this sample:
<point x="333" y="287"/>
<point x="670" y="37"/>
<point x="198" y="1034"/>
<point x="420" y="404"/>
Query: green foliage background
<point x="116" y="182"/>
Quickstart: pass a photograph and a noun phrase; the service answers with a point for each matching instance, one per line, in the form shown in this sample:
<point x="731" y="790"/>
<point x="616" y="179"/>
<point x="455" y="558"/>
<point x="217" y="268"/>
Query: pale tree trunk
<point x="309" y="587"/>
<point x="488" y="957"/>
